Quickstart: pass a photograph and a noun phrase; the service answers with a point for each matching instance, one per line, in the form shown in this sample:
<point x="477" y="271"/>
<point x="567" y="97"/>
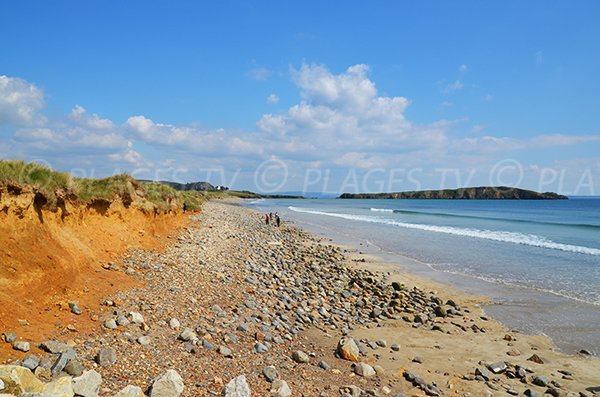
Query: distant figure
<point x="267" y="217"/>
<point x="184" y="208"/>
<point x="277" y="220"/>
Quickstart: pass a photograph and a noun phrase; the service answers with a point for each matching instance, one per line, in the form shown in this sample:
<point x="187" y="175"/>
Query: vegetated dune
<point x="52" y="251"/>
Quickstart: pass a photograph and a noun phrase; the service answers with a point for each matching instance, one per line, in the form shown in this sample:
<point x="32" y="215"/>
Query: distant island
<point x="467" y="193"/>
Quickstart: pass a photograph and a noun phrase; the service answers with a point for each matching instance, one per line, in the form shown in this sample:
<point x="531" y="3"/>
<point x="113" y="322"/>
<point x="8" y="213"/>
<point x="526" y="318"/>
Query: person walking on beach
<point x="267" y="218"/>
<point x="277" y="220"/>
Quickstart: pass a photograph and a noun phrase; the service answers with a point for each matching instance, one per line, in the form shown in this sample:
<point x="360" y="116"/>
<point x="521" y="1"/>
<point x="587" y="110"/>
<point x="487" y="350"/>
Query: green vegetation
<point x="53" y="184"/>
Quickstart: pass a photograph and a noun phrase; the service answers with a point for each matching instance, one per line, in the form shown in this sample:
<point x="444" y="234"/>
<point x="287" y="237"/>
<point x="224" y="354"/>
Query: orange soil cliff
<point x="50" y="257"/>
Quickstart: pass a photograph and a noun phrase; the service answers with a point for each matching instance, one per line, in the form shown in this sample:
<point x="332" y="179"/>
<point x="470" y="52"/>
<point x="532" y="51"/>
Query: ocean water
<point x="539" y="261"/>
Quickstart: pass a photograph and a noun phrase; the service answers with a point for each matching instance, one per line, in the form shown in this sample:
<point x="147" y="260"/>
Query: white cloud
<point x="463" y="68"/>
<point x="452" y="87"/>
<point x="259" y="74"/>
<point x="272" y="99"/>
<point x="477" y="129"/>
<point x="80" y="115"/>
<point x="20" y="102"/>
<point x="488" y="98"/>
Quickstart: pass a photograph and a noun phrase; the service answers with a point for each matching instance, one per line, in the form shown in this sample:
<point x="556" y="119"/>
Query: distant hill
<point x="468" y="193"/>
<point x="198" y="186"/>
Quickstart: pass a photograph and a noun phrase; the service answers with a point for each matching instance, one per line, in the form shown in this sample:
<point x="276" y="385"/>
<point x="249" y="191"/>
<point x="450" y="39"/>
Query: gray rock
<point x="123" y="321"/>
<point x="88" y="384"/>
<point x="270" y="373"/>
<point x="75" y="309"/>
<point x="174" y="323"/>
<point x="395" y="347"/>
<point x="237" y="387"/>
<point x="31" y="361"/>
<point x="351" y="390"/>
<point x="62" y="387"/>
<point x="169" y="384"/>
<point x="207" y="344"/>
<point x="363" y="369"/>
<point x="144" y="340"/>
<point x="62" y="361"/>
<point x="106" y="356"/>
<point x="136" y="317"/>
<point x="225" y="351"/>
<point x="381" y="343"/>
<point x="280" y="388"/>
<point x="130" y="391"/>
<point x="498" y="367"/>
<point x="2" y="386"/>
<point x="9" y="337"/>
<point x="110" y="323"/>
<point x="323" y="364"/>
<point x="484" y="373"/>
<point x="540" y="381"/>
<point x="187" y="334"/>
<point x="418" y="360"/>
<point x="300" y="357"/>
<point x="531" y="393"/>
<point x="54" y="347"/>
<point x="74" y="367"/>
<point x="261" y="348"/>
<point x="21" y="346"/>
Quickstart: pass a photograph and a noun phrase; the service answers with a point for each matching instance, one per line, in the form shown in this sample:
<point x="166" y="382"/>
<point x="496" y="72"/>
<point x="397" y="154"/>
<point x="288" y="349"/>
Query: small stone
<point x="130" y="391"/>
<point x="270" y="373"/>
<point x="74" y="367"/>
<point x="540" y="381"/>
<point x="225" y="351"/>
<point x="21" y="346"/>
<point x="110" y="323"/>
<point x="144" y="340"/>
<point x="351" y="390"/>
<point x="169" y="384"/>
<point x="348" y="349"/>
<point x="513" y="352"/>
<point x="187" y="334"/>
<point x="53" y="346"/>
<point x="381" y="343"/>
<point x="30" y="361"/>
<point x="106" y="356"/>
<point x="395" y="347"/>
<point x="237" y="387"/>
<point x="260" y="348"/>
<point x="88" y="384"/>
<point x="280" y="388"/>
<point x="324" y="365"/>
<point x="536" y="359"/>
<point x="207" y="344"/>
<point x="300" y="357"/>
<point x="498" y="367"/>
<point x="136" y="317"/>
<point x="62" y="361"/>
<point x="174" y="323"/>
<point x="123" y="321"/>
<point x="417" y="360"/>
<point x="363" y="369"/>
<point x="585" y="352"/>
<point x="9" y="337"/>
<point x="531" y="393"/>
<point x="484" y="373"/>
<point x="75" y="309"/>
<point x="379" y="370"/>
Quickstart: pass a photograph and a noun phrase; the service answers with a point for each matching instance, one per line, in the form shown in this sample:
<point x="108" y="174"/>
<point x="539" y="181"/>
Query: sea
<point x="537" y="261"/>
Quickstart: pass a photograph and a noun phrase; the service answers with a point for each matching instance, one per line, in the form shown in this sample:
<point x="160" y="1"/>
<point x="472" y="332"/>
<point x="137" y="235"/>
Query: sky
<point x="307" y="96"/>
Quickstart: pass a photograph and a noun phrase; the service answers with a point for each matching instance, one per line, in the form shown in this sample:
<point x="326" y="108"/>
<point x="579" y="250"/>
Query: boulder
<point x="363" y="369"/>
<point x="348" y="349"/>
<point x="18" y="380"/>
<point x="88" y="384"/>
<point x="280" y="388"/>
<point x="169" y="384"/>
<point x="62" y="387"/>
<point x="54" y="346"/>
<point x="237" y="387"/>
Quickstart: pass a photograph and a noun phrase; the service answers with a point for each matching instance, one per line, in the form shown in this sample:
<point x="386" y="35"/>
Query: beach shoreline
<point x="231" y="296"/>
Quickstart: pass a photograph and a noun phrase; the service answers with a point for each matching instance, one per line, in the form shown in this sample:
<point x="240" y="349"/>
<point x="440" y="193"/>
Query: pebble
<point x="106" y="356"/>
<point x="280" y="388"/>
<point x="144" y="340"/>
<point x="323" y="364"/>
<point x="300" y="357"/>
<point x="21" y="346"/>
<point x="270" y="373"/>
<point x="110" y="323"/>
<point x="363" y="369"/>
<point x="225" y="351"/>
<point x="174" y="323"/>
<point x="75" y="309"/>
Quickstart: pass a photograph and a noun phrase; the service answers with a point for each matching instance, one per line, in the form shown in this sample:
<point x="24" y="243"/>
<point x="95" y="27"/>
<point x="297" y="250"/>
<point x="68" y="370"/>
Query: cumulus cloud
<point x="20" y="102"/>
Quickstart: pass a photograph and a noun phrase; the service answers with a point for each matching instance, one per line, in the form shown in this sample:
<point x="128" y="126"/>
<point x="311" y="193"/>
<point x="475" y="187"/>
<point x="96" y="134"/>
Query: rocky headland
<point x="234" y="307"/>
<point x="467" y="193"/>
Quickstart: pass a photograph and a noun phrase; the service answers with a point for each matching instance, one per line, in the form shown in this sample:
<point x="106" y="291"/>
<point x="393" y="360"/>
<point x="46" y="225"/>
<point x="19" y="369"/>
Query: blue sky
<point x="309" y="95"/>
